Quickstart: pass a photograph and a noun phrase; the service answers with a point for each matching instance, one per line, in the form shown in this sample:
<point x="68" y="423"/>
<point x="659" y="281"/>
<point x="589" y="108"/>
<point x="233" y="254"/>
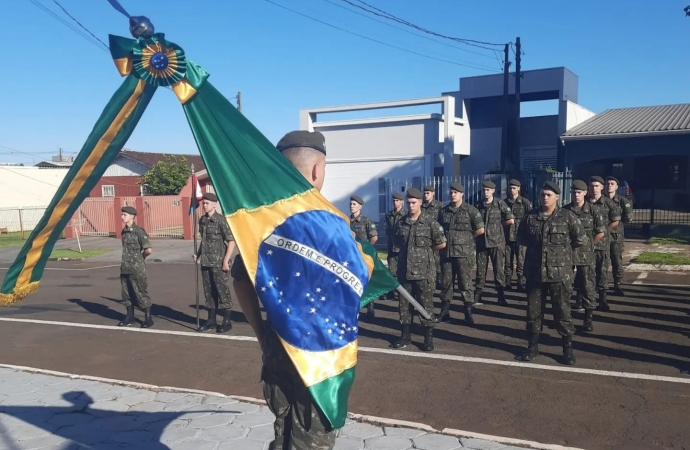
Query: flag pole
<point x="414" y="303"/>
<point x="196" y="263"/>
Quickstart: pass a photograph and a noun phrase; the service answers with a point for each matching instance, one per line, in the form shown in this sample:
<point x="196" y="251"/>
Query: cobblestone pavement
<point x="39" y="411"/>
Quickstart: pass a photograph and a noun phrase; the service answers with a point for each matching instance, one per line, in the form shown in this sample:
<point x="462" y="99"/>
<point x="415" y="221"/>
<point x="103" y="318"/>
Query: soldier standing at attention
<point x="365" y="230"/>
<point x="135" y="249"/>
<point x="214" y="252"/>
<point x="418" y="236"/>
<point x="392" y="218"/>
<point x="461" y="223"/>
<point x="618" y="233"/>
<point x="612" y="215"/>
<point x="432" y="207"/>
<point x="492" y="244"/>
<point x="583" y="257"/>
<point x="519" y="206"/>
<point x="550" y="233"/>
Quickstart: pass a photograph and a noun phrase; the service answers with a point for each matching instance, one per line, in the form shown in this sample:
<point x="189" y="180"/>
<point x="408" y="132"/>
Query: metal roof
<point x="668" y="119"/>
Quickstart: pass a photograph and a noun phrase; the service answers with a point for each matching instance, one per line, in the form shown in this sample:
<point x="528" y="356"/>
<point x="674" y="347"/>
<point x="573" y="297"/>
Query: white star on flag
<point x="330" y="331"/>
<point x="270" y="283"/>
<point x="313" y="310"/>
<point x="269" y="253"/>
<point x="345" y="263"/>
<point x="323" y="298"/>
<point x="318" y="289"/>
<point x="298" y="274"/>
<point x="263" y="289"/>
<point x="288" y="310"/>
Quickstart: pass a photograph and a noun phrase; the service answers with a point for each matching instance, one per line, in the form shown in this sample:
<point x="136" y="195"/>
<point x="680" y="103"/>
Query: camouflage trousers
<point x="497" y="257"/>
<point x="423" y="292"/>
<point x="616" y="253"/>
<point x="560" y="304"/>
<point x="216" y="288"/>
<point x="437" y="261"/>
<point x="393" y="267"/>
<point x="134" y="288"/>
<point x="300" y="424"/>
<point x="514" y="256"/>
<point x="603" y="262"/>
<point x="584" y="284"/>
<point x="463" y="269"/>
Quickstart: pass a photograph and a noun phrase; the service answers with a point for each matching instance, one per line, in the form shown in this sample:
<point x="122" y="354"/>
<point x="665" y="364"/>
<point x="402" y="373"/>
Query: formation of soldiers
<point x="554" y="252"/>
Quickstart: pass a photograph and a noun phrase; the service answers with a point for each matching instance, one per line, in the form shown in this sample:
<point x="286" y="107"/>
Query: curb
<point x="66" y="259"/>
<point x="372" y="420"/>
<point x="635" y="267"/>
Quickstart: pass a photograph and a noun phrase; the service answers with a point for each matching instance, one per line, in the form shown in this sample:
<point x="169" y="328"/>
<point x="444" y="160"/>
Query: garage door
<point x="361" y="177"/>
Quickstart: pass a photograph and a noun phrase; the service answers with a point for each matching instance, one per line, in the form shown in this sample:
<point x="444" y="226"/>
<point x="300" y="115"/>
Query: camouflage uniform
<point x="458" y="259"/>
<point x="583" y="257"/>
<point x="133" y="269"/>
<point x="618" y="238"/>
<point x="415" y="265"/>
<point x="549" y="270"/>
<point x="392" y="219"/>
<point x="215" y="235"/>
<point x="299" y="423"/>
<point x="432" y="209"/>
<point x="514" y="252"/>
<point x="492" y="245"/>
<point x="363" y="227"/>
<point x="610" y="213"/>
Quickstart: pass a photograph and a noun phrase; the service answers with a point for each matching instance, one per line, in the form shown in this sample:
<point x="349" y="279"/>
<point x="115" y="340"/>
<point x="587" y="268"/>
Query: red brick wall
<point x="124" y="186"/>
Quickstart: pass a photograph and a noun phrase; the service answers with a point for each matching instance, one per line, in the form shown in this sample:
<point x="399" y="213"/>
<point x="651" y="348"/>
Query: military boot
<point x="129" y="319"/>
<point x="371" y="313"/>
<point x="148" y="321"/>
<point x="428" y="340"/>
<point x="444" y="316"/>
<point x="502" y="297"/>
<point x="603" y="304"/>
<point x="532" y="348"/>
<point x="226" y="325"/>
<point x="578" y="303"/>
<point x="478" y="298"/>
<point x="468" y="315"/>
<point x="587" y="324"/>
<point x="210" y="321"/>
<point x="617" y="288"/>
<point x="568" y="356"/>
<point x="404" y="340"/>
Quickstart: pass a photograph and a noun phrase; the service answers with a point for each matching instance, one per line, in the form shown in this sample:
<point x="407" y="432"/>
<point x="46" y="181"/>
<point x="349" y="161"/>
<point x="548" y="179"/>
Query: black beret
<point x="457" y="187"/>
<point x="514" y="182"/>
<point x="489" y="184"/>
<point x="612" y="178"/>
<point x="429" y="188"/>
<point x="210" y="196"/>
<point x="398" y="196"/>
<point x="579" y="185"/>
<point x="129" y="210"/>
<point x="596" y="179"/>
<point x="301" y="138"/>
<point x="414" y="193"/>
<point x="357" y="199"/>
<point x="551" y="186"/>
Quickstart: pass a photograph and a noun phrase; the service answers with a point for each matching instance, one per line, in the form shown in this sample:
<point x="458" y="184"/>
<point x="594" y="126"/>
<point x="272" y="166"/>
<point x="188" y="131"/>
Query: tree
<point x="168" y="176"/>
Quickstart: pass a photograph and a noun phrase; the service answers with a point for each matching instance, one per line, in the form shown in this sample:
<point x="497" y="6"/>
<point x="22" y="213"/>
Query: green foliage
<point x="168" y="176"/>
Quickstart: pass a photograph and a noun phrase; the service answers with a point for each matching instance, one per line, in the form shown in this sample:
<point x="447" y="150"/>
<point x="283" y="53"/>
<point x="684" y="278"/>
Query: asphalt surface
<point x="647" y="332"/>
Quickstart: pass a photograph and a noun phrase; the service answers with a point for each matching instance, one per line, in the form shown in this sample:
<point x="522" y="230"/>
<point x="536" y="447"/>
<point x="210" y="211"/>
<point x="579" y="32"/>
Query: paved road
<point x="646" y="333"/>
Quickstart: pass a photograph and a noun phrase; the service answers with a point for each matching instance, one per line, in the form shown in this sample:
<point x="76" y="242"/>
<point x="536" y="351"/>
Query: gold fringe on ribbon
<point x="19" y="294"/>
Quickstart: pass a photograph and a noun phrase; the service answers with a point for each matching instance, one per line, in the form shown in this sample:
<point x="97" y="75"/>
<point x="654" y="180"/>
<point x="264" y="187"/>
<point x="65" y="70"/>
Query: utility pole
<point x="239" y="101"/>
<point x="60" y="154"/>
<point x="518" y="75"/>
<point x="506" y="115"/>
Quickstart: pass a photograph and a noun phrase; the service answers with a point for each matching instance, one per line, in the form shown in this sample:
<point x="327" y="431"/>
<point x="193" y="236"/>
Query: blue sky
<point x="55" y="83"/>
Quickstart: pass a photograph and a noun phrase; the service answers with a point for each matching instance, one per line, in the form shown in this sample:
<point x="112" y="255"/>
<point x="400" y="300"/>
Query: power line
<point x="79" y="23"/>
<point x="68" y="25"/>
<point x="408" y="31"/>
<point x="376" y="40"/>
<point x="381" y="13"/>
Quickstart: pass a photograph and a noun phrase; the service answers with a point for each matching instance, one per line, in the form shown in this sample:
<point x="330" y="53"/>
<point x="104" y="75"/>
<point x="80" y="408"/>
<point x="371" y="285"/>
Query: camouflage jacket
<point x="593" y="224"/>
<point x="626" y="208"/>
<point x="134" y="242"/>
<point x="494" y="214"/>
<point x="363" y="227"/>
<point x="610" y="213"/>
<point x="415" y="238"/>
<point x="459" y="225"/>
<point x="392" y="219"/>
<point x="215" y="234"/>
<point x="550" y="241"/>
<point x="519" y="207"/>
<point x="432" y="208"/>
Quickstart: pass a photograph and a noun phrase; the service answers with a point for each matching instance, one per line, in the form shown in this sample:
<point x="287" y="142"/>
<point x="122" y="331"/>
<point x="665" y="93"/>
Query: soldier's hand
<point x="194" y="257"/>
<point x="226" y="266"/>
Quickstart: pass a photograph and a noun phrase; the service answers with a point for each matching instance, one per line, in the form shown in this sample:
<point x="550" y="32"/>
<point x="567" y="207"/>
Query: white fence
<point x="20" y="219"/>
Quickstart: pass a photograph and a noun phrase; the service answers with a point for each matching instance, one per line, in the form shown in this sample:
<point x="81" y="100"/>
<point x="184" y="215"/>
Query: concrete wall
<point x="485" y="146"/>
<point x="29" y="186"/>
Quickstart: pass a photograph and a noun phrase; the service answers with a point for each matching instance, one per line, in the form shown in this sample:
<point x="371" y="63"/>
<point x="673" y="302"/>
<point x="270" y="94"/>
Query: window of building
<point x="661" y="172"/>
<point x="108" y="190"/>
